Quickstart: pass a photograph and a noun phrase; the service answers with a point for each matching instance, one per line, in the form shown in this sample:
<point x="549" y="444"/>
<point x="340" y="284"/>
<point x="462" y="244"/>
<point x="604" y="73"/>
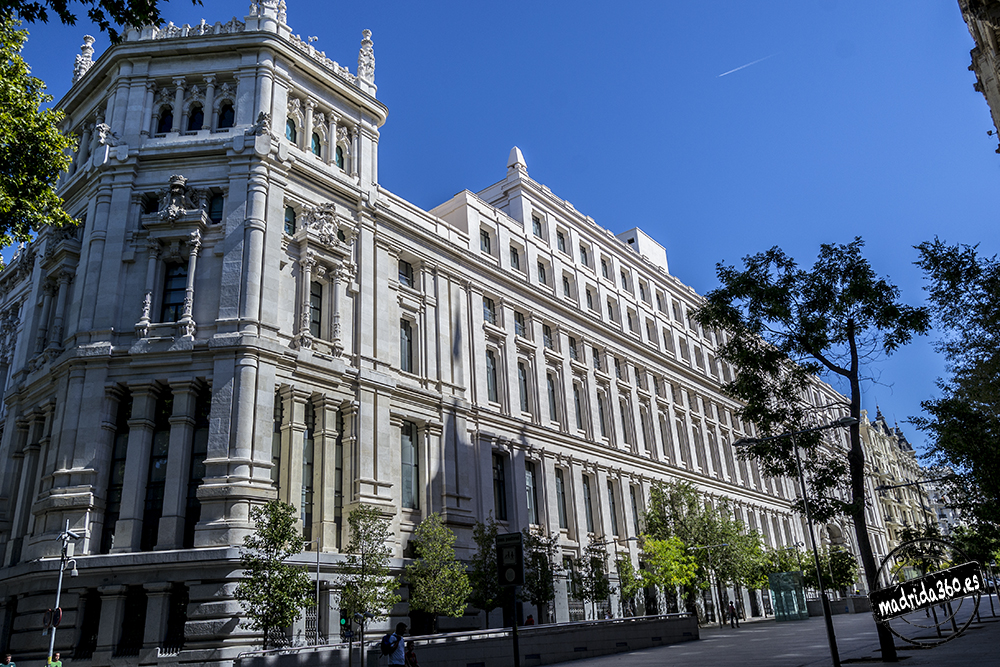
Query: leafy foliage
<point x="630" y="582"/>
<point x="979" y="546"/>
<point x="366" y="586"/>
<point x="126" y="13"/>
<point x="838" y="567"/>
<point x="590" y="580"/>
<point x="964" y="423"/>
<point x="668" y="563"/>
<point x="439" y="582"/>
<point x="487" y="593"/>
<point x="540" y="567"/>
<point x="33" y="152"/>
<point x="272" y="593"/>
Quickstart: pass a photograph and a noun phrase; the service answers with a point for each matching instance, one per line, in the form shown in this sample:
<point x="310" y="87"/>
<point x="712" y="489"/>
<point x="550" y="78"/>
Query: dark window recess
<point x="199" y="451"/>
<point x="290" y="132"/>
<point x="308" y="472"/>
<point x="279" y="416"/>
<point x="174" y="289"/>
<point x="315" y="308"/>
<point x="405" y="273"/>
<point x="8" y="624"/>
<point x="133" y="623"/>
<point x="410" y="469"/>
<point x="166" y="123"/>
<point x="89" y="626"/>
<point x="215" y="205"/>
<point x="499" y="488"/>
<point x="196" y="119"/>
<point x="157" y="475"/>
<point x="176" y="619"/>
<point x="227" y="116"/>
<point x="116" y="478"/>
<point x="338" y="157"/>
<point x="405" y="346"/>
<point x="289" y="220"/>
<point x="315" y="145"/>
<point x="491" y="376"/>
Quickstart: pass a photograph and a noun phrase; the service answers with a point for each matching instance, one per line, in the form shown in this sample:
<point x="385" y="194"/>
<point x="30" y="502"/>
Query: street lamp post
<point x="65" y="558"/>
<point x="842" y="422"/>
<point x="710" y="571"/>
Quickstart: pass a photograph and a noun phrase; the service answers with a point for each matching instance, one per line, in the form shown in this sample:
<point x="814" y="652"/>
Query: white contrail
<point x="748" y="65"/>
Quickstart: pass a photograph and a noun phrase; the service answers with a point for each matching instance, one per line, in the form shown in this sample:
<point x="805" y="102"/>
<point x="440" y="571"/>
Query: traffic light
<point x="345" y="620"/>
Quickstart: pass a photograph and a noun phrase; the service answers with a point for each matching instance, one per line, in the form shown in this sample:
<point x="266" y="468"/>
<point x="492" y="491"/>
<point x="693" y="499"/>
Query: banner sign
<point x="926" y="591"/>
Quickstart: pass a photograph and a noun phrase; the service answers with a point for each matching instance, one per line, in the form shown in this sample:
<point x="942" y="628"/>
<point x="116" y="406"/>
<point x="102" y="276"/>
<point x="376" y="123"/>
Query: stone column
<point x="157" y="613"/>
<point x="304" y="334"/>
<point x="55" y="338"/>
<point x="147" y="109"/>
<point x="95" y="258"/>
<point x="254" y="228"/>
<point x="112" y="615"/>
<point x="355" y="156"/>
<point x="296" y="429"/>
<point x="331" y="138"/>
<point x="186" y="325"/>
<point x="325" y="467"/>
<point x="211" y="117"/>
<point x="128" y="530"/>
<point x="142" y="326"/>
<point x="48" y="291"/>
<point x="170" y="533"/>
<point x="308" y="129"/>
<point x="178" y="103"/>
<point x="340" y="276"/>
<point x="83" y="152"/>
<point x="21" y="498"/>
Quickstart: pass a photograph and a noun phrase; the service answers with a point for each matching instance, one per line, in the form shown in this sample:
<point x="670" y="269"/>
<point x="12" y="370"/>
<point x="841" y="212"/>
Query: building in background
<point x="244" y="314"/>
<point x="983" y="19"/>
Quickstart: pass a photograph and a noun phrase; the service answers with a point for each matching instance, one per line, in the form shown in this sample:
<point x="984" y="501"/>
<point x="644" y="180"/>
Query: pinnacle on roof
<point x="516" y="160"/>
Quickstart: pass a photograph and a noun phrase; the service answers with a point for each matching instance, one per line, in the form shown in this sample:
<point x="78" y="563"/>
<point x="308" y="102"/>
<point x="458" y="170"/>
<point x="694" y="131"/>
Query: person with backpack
<point x="392" y="646"/>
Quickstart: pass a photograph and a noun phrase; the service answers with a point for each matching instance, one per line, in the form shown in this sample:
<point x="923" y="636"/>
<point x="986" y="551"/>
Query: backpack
<point x="389" y="643"/>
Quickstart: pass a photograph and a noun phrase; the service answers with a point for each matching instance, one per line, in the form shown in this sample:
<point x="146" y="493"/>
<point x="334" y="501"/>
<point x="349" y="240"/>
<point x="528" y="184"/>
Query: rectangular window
<point x="600" y="416"/>
<point x="530" y="487"/>
<point x="410" y="465"/>
<point x="584" y="259"/>
<point x="618" y="368"/>
<point x="611" y="311"/>
<point x="489" y="310"/>
<point x="484" y="242"/>
<point x="547" y="337"/>
<point x="541" y="274"/>
<point x="561" y="498"/>
<point x="642" y="291"/>
<point x="635" y="510"/>
<point x="553" y="413"/>
<point x="624" y="409"/>
<point x="572" y="348"/>
<point x="578" y="407"/>
<point x="116" y="479"/>
<point x="405" y="346"/>
<point x="491" y="376"/>
<point x="519" y="327"/>
<point x="308" y="468"/>
<point x="522" y="383"/>
<point x="604" y="267"/>
<point x="157" y="472"/>
<point x="624" y="280"/>
<point x="315" y="308"/>
<point x="588" y="508"/>
<point x="278" y="415"/>
<point x="174" y="289"/>
<point x="597" y="358"/>
<point x="650" y="332"/>
<point x="536" y="226"/>
<point x="631" y="322"/>
<point x="561" y="241"/>
<point x="515" y="259"/>
<point x="566" y="289"/>
<point x="590" y="299"/>
<point x="659" y="302"/>
<point x="499" y="488"/>
<point x="405" y="273"/>
<point x="613" y="513"/>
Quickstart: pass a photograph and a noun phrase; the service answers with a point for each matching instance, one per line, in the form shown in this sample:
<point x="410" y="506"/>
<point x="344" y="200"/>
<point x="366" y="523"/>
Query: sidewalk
<point x="767" y="643"/>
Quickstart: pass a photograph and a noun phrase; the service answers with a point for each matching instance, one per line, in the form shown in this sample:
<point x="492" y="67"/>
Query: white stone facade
<point x="245" y="314"/>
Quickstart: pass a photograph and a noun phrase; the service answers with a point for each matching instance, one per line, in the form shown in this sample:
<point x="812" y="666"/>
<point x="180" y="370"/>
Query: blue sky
<point x="861" y="121"/>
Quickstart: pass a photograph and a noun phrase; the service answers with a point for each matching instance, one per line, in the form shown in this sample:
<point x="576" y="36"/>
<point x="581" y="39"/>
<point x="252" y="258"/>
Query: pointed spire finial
<point x="516" y="160"/>
<point x="85" y="60"/>
<point x="366" y="58"/>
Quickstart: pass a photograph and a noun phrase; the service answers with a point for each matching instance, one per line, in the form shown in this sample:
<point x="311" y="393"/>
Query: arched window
<point x="196" y="118"/>
<point x="166" y="120"/>
<point x="339" y="157"/>
<point x="315" y="145"/>
<point x="289" y="220"/>
<point x="290" y="132"/>
<point x="227" y="116"/>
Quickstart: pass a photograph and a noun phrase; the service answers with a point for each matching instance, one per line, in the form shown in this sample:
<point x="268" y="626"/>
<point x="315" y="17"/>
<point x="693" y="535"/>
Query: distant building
<point x="983" y="19"/>
<point x="246" y="314"/>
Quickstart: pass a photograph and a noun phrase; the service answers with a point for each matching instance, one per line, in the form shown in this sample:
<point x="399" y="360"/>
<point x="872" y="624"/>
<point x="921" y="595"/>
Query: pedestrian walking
<point x="397" y="654"/>
<point x="734" y="617"/>
<point x="411" y="656"/>
<point x="55" y="660"/>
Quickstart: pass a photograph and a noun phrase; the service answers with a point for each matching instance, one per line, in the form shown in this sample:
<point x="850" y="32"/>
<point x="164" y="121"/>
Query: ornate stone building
<point x="983" y="19"/>
<point x="244" y="313"/>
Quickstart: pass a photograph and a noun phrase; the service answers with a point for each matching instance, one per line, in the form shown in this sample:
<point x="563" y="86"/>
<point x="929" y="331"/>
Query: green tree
<point x="439" y="583"/>
<point x="630" y="582"/>
<point x="487" y="593"/>
<point x="785" y="325"/>
<point x="668" y="563"/>
<point x="963" y="424"/>
<point x="590" y="580"/>
<point x="271" y="592"/>
<point x="366" y="586"/>
<point x="838" y="567"/>
<point x="540" y="567"/>
<point x="33" y="152"/>
<point x="125" y="13"/>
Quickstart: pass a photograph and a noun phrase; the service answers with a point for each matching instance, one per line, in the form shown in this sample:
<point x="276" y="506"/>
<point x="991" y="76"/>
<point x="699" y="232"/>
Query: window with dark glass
<point x="536" y="225"/>
<point x="604" y="267"/>
<point x="314" y="144"/>
<point x="584" y="258"/>
<point x="588" y="508"/>
<point x="405" y="346"/>
<point x="566" y="289"/>
<point x="289" y="220"/>
<point x="116" y="478"/>
<point x="541" y="274"/>
<point x="613" y="513"/>
<point x="659" y="302"/>
<point x="133" y="623"/>
<point x="489" y="310"/>
<point x="484" y="241"/>
<point x="499" y="488"/>
<point x="631" y="323"/>
<point x="597" y="358"/>
<point x="531" y="486"/>
<point x="577" y="406"/>
<point x="308" y="469"/>
<point x="166" y="123"/>
<point x="519" y="327"/>
<point x="611" y="311"/>
<point x="522" y="384"/>
<point x="572" y="348"/>
<point x="491" y="376"/>
<point x="515" y="259"/>
<point x="278" y="419"/>
<point x="624" y="280"/>
<point x="196" y="471"/>
<point x="561" y="498"/>
<point x="174" y="290"/>
<point x="600" y="416"/>
<point x="405" y="273"/>
<point x="624" y="409"/>
<point x="561" y="241"/>
<point x="590" y="299"/>
<point x="553" y="412"/>
<point x="227" y="116"/>
<point x="89" y="625"/>
<point x="290" y="132"/>
<point x="618" y="368"/>
<point x="642" y="292"/>
<point x="635" y="509"/>
<point x="547" y="338"/>
<point x="156" y="475"/>
<point x="410" y="465"/>
<point x="176" y="618"/>
<point x="338" y="157"/>
<point x="196" y="118"/>
<point x="215" y="205"/>
<point x="315" y="308"/>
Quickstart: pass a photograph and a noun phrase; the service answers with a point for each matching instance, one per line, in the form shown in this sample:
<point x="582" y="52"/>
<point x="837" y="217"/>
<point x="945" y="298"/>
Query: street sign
<point x="510" y="559"/>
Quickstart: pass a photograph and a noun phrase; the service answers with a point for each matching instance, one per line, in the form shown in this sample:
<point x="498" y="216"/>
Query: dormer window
<point x="290" y="132"/>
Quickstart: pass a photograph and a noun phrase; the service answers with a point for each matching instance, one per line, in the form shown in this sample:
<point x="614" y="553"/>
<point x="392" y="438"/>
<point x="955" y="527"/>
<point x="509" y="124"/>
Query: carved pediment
<point x="328" y="228"/>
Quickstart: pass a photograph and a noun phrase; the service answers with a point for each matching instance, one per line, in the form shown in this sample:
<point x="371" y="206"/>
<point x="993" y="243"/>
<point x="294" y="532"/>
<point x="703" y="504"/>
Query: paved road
<point x="804" y="644"/>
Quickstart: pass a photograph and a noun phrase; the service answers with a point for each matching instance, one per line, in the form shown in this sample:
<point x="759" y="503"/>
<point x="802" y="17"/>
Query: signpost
<point x="510" y="572"/>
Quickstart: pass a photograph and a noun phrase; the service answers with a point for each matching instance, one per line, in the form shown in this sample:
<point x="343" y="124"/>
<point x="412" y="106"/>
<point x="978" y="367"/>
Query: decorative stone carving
<point x="322" y="221"/>
<point x="366" y="58"/>
<point x="105" y="137"/>
<point x="178" y="199"/>
<point x="85" y="60"/>
<point x="262" y="127"/>
<point x="282" y="14"/>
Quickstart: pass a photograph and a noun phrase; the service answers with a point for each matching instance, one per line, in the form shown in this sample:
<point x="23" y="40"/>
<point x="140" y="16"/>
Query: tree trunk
<point x="856" y="459"/>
